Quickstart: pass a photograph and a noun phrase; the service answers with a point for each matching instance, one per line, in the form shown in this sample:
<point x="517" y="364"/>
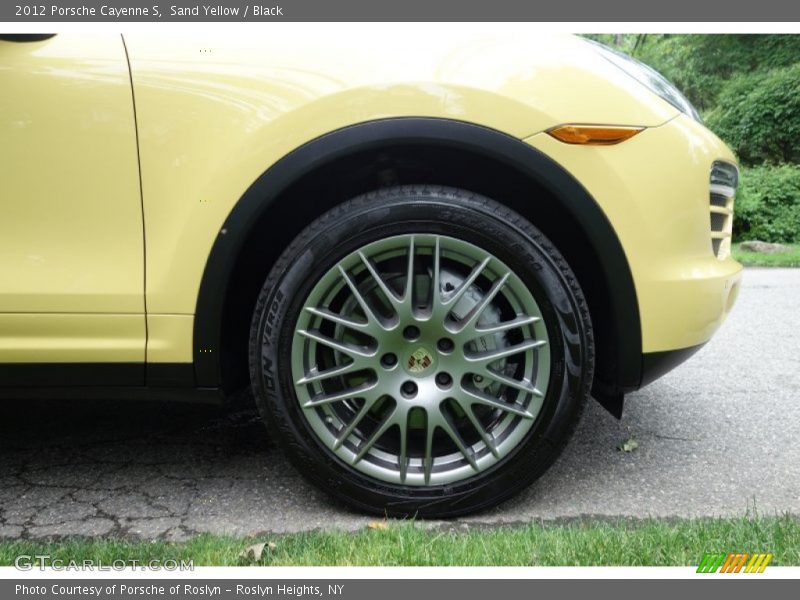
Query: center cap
<point x="419" y="361"/>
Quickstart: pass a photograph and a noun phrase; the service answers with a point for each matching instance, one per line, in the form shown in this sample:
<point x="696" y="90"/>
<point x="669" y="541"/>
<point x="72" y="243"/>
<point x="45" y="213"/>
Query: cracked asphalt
<point x="718" y="436"/>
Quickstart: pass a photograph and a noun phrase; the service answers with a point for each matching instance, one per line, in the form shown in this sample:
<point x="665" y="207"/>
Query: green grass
<point x="756" y="259"/>
<point x="590" y="542"/>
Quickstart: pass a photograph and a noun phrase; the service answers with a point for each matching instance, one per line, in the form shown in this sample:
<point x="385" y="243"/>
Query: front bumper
<point x="654" y="189"/>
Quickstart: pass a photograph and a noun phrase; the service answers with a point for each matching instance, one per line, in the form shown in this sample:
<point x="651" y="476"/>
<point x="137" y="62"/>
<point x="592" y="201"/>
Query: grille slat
<point x="719" y="200"/>
<point x="721" y="210"/>
<point x="722" y="190"/>
<point x="718" y="221"/>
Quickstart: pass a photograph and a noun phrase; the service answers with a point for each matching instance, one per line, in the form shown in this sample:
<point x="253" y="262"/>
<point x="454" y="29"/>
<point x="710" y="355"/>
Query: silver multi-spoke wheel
<point x="420" y="360"/>
<point x="421" y="351"/>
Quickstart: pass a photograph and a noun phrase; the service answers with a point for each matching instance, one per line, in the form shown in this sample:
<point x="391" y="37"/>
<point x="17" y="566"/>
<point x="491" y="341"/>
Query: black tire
<point x="428" y="209"/>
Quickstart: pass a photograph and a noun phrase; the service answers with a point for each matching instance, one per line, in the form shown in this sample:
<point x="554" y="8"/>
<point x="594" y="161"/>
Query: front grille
<point x="723" y="182"/>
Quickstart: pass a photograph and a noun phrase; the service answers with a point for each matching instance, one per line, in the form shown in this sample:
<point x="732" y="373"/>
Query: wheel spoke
<point x="336" y="318"/>
<point x="362" y="302"/>
<point x="485" y="437"/>
<point x="467" y="283"/>
<point x="436" y="285"/>
<point x="348" y="349"/>
<point x="347" y="394"/>
<point x="520" y="321"/>
<point x="314" y="375"/>
<point x="521" y="385"/>
<point x="402" y="458"/>
<point x="408" y="296"/>
<point x="427" y="460"/>
<point x="445" y="425"/>
<point x="476" y="396"/>
<point x="369" y="402"/>
<point x="492" y="355"/>
<point x="475" y="313"/>
<point x="388" y="292"/>
<point x="369" y="443"/>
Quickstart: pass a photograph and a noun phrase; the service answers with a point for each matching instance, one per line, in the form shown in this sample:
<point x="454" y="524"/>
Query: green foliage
<point x="404" y="543"/>
<point x="759" y="116"/>
<point x="768" y="204"/>
<point x="760" y="259"/>
<point x="696" y="66"/>
<point x="700" y="65"/>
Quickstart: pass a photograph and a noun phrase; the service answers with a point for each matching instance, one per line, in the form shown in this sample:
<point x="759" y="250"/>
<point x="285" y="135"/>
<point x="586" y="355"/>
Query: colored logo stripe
<point x="758" y="563"/>
<point x="710" y="563"/>
<point x="735" y="562"/>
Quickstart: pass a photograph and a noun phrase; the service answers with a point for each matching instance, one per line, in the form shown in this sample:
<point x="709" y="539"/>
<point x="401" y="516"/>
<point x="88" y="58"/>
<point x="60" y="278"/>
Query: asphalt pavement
<point x="719" y="436"/>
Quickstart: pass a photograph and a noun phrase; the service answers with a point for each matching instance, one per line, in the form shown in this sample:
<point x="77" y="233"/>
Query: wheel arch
<point x="307" y="181"/>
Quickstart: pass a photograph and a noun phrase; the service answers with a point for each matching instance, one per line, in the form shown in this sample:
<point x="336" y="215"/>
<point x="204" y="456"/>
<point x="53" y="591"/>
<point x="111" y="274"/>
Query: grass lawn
<point x="756" y="259"/>
<point x="591" y="542"/>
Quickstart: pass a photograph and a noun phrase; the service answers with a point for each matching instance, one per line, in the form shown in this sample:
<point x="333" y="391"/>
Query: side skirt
<point x="124" y="381"/>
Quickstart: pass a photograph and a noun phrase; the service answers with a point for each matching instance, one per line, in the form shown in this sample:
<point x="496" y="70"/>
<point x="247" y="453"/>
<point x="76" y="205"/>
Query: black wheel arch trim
<point x="412" y="130"/>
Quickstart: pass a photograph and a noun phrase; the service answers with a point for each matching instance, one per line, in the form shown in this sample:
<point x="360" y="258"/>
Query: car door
<point x="72" y="304"/>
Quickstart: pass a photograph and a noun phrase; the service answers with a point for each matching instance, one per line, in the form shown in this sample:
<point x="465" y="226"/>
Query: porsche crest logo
<point x="420" y="360"/>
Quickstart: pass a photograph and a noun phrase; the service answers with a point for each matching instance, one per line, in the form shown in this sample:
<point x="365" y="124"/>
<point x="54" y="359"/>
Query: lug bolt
<point x="411" y="333"/>
<point x="409" y="389"/>
<point x="388" y="360"/>
<point x="445" y="345"/>
<point x="443" y="380"/>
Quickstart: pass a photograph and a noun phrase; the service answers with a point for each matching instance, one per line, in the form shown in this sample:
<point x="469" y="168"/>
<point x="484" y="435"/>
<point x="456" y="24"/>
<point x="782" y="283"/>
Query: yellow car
<point x="424" y="257"/>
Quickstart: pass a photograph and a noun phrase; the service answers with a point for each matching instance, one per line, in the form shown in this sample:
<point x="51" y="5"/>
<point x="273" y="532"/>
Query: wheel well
<point x="342" y="177"/>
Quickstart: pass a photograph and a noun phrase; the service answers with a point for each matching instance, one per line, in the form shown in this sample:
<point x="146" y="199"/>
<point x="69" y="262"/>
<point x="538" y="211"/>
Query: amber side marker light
<point x="593" y="135"/>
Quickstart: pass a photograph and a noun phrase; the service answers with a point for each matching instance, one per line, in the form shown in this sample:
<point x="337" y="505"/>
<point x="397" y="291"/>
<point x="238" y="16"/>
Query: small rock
<point x="764" y="247"/>
<point x="10" y="532"/>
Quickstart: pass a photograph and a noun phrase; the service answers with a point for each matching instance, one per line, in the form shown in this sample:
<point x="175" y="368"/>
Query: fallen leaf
<point x="378" y="525"/>
<point x="256" y="551"/>
<point x="628" y="445"/>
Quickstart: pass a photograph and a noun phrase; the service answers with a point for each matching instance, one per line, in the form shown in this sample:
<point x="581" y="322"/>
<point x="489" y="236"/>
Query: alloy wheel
<point x="420" y="360"/>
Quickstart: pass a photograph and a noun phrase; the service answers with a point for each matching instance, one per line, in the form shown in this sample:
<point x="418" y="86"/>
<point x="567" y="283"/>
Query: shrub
<point x="759" y="116"/>
<point x="768" y="204"/>
<point x="701" y="64"/>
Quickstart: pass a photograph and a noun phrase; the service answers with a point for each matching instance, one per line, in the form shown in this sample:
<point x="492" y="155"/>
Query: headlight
<point x="650" y="78"/>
